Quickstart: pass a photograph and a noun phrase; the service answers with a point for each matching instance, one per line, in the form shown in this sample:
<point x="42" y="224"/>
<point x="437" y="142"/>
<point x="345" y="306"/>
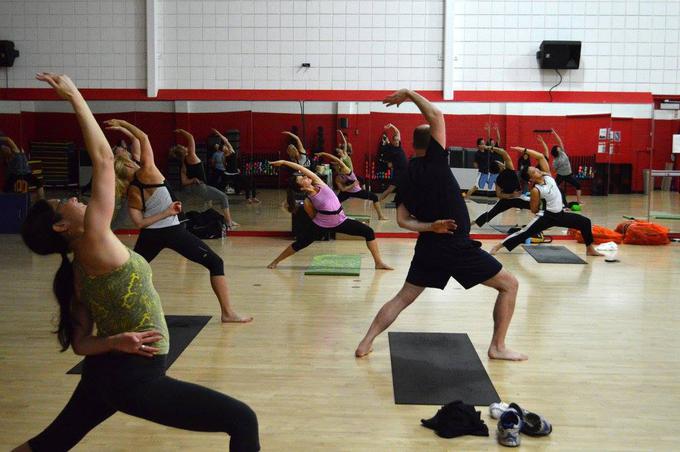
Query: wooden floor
<point x="601" y="338"/>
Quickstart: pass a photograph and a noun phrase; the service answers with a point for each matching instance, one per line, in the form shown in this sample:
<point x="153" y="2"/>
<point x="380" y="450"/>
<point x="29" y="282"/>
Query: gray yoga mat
<point x="484" y="201"/>
<point x="503" y="228"/>
<point x="551" y="254"/>
<point x="438" y="368"/>
<point x="182" y="328"/>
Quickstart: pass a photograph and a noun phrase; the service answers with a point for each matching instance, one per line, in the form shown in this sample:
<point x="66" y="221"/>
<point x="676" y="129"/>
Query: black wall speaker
<point x="7" y="53"/>
<point x="559" y="55"/>
<point x="344" y="123"/>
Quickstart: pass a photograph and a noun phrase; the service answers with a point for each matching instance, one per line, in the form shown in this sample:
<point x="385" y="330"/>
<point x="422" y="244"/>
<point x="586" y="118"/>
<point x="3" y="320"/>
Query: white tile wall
<point x="100" y="43"/>
<point x="349" y="44"/>
<point x="628" y="45"/>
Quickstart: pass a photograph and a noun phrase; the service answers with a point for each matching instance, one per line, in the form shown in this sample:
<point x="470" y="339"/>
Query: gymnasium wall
<point x="629" y="46"/>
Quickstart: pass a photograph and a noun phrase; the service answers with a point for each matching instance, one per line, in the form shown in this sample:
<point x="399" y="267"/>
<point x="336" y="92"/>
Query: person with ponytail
<point x="154" y="211"/>
<point x="109" y="286"/>
<point x="323" y="207"/>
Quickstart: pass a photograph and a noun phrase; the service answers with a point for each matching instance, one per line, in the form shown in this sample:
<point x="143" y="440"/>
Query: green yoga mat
<point x="362" y="218"/>
<point x="335" y="265"/>
<point x="665" y="215"/>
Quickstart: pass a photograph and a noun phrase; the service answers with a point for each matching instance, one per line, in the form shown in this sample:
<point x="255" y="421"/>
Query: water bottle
<point x="527" y="241"/>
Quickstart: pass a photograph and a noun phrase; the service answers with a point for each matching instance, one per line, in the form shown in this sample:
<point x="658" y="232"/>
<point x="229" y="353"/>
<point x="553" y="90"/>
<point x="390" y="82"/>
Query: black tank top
<point x="195" y="170"/>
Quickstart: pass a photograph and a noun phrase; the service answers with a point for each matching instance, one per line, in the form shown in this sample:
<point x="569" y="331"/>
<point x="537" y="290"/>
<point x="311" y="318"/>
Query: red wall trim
<point x="332" y="95"/>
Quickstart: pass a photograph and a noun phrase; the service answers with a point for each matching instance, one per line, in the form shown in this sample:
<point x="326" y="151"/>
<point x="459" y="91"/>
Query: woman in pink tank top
<point x="348" y="184"/>
<point x="325" y="211"/>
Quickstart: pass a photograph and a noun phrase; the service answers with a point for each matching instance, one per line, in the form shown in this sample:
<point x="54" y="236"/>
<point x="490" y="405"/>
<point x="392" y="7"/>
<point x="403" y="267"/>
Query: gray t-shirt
<point x="561" y="164"/>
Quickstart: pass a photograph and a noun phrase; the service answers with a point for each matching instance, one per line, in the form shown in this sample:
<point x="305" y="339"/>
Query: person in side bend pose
<point x="348" y="184"/>
<point x="296" y="152"/>
<point x="18" y="167"/>
<point x="225" y="165"/>
<point x="326" y="215"/>
<point x="193" y="180"/>
<point x="553" y="214"/>
<point x="153" y="210"/>
<point x="508" y="187"/>
<point x="396" y="157"/>
<point x="109" y="286"/>
<point x="562" y="167"/>
<point x="429" y="202"/>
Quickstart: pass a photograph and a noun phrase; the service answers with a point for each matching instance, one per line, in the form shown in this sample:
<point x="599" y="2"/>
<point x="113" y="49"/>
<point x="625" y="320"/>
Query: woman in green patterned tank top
<point x="109" y="286"/>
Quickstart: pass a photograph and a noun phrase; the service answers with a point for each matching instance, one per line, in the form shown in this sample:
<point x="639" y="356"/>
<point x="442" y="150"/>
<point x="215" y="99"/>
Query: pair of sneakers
<point x="513" y="420"/>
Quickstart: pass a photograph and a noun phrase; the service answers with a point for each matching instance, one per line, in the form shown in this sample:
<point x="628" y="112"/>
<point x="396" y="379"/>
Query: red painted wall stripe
<point x="332" y="95"/>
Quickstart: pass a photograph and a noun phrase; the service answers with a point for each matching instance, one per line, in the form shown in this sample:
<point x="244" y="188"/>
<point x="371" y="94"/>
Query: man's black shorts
<point x="436" y="261"/>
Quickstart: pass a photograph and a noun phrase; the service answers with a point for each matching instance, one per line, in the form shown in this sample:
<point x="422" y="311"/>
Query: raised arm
<point x="102" y="202"/>
<point x="136" y="151"/>
<point x="559" y="140"/>
<point x="396" y="135"/>
<point x="432" y="114"/>
<point x="301" y="169"/>
<point x="146" y="153"/>
<point x="498" y="135"/>
<point x="191" y="143"/>
<point x="546" y="152"/>
<point x="10" y="142"/>
<point x="344" y="141"/>
<point x="298" y="142"/>
<point x="540" y="158"/>
<point x="407" y="221"/>
<point x="344" y="168"/>
<point x="506" y="158"/>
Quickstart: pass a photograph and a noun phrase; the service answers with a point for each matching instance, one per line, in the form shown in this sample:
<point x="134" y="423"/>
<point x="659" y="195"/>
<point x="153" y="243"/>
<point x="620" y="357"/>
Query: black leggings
<point x="571" y="180"/>
<point x="548" y="220"/>
<point x="177" y="238"/>
<point x="501" y="206"/>
<point x="362" y="194"/>
<point x="138" y="386"/>
<point x="349" y="227"/>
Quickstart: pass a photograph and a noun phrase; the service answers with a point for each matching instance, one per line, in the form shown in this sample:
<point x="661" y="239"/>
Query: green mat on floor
<point x="665" y="215"/>
<point x="335" y="265"/>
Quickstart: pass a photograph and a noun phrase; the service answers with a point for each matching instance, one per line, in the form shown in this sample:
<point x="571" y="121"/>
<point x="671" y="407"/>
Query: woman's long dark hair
<point x="292" y="194"/>
<point x="555" y="151"/>
<point x="41" y="238"/>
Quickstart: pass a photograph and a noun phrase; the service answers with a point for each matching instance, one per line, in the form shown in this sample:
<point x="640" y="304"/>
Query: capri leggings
<point x="177" y="238"/>
<point x="138" y="386"/>
<point x="362" y="194"/>
<point x="207" y="193"/>
<point x="349" y="227"/>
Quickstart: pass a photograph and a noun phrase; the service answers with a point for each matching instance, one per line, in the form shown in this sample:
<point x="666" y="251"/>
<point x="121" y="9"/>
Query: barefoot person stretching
<point x="429" y="202"/>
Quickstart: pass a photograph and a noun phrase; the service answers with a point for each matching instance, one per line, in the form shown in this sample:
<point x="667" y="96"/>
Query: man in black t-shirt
<point x="396" y="157"/>
<point x="429" y="202"/>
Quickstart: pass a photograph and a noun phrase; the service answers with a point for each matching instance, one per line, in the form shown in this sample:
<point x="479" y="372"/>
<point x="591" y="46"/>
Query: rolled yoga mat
<point x="438" y="368"/>
<point x="335" y="265"/>
<point x="182" y="328"/>
<point x="552" y="254"/>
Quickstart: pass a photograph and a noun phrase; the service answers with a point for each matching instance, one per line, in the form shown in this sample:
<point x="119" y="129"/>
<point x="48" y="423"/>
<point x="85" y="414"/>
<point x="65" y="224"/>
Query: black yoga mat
<point x="484" y="201"/>
<point x="503" y="228"/>
<point x="183" y="329"/>
<point x="552" y="254"/>
<point x="438" y="368"/>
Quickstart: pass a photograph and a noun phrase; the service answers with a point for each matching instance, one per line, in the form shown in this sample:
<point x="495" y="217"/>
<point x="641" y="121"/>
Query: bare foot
<point x="272" y="265"/>
<point x="233" y="225"/>
<point x="383" y="218"/>
<point x="590" y="251"/>
<point x="495" y="249"/>
<point x="363" y="350"/>
<point x="506" y="353"/>
<point x="249" y="201"/>
<point x="235" y="319"/>
<point x="383" y="266"/>
<point x="255" y="201"/>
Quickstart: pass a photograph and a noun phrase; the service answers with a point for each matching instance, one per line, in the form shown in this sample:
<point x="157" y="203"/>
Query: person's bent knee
<point x="373" y="197"/>
<point x="242" y="426"/>
<point x="370" y="236"/>
<point x="508" y="282"/>
<point x="214" y="264"/>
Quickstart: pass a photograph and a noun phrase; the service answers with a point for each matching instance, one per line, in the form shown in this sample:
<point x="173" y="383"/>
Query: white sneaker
<point x="497" y="409"/>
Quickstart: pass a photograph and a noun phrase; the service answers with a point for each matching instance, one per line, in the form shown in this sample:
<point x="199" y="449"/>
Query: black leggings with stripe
<point x="548" y="220"/>
<point x="311" y="231"/>
<point x="362" y="194"/>
<point x="177" y="238"/>
<point x="501" y="206"/>
<point x="138" y="386"/>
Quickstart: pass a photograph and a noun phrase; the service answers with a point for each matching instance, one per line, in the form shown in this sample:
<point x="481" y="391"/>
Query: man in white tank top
<point x="545" y="188"/>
